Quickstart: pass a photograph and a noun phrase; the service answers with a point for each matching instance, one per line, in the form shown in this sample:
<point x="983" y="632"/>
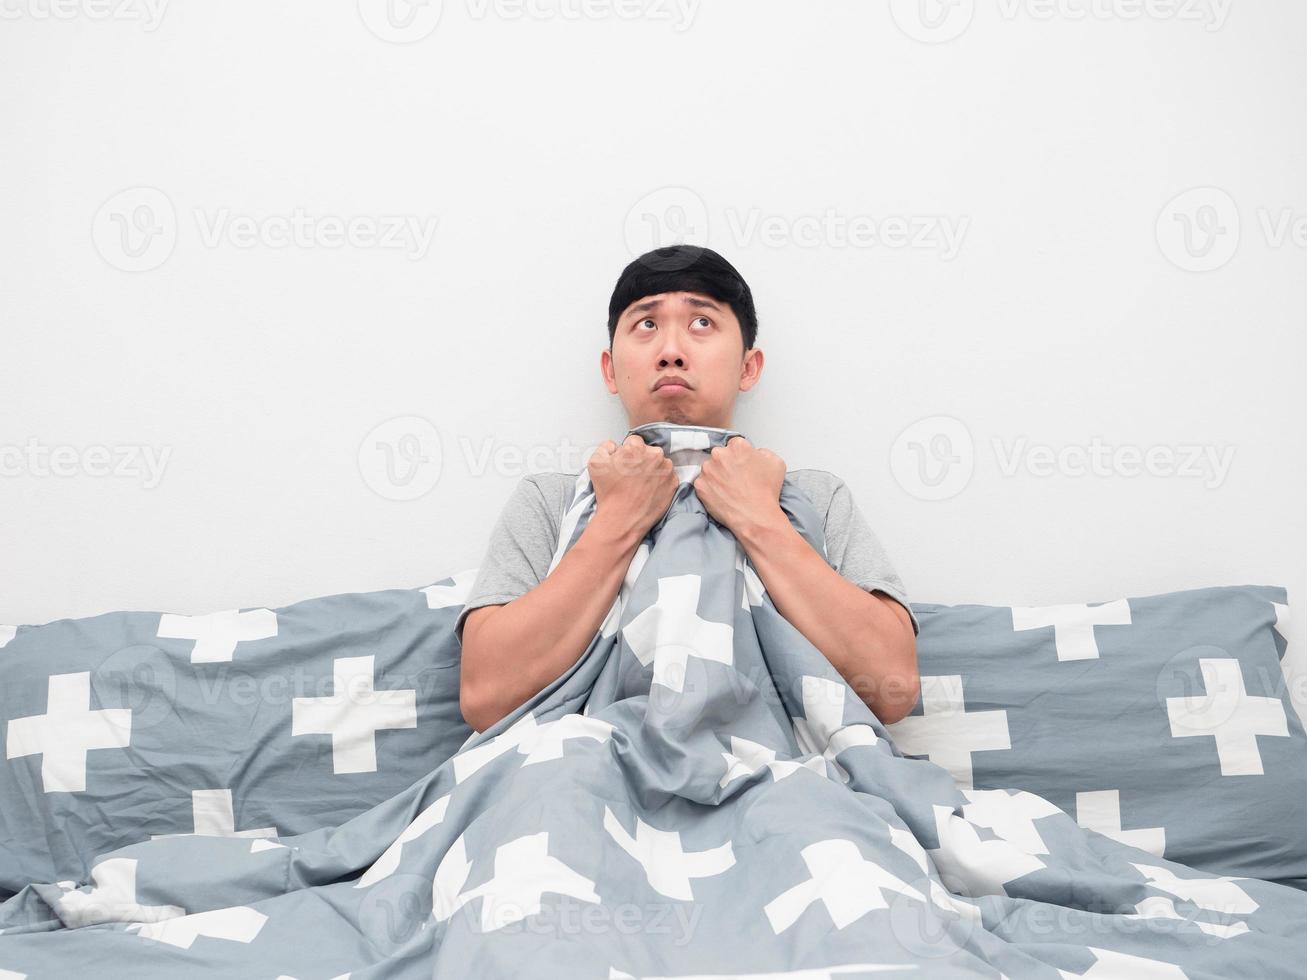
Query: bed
<point x="1108" y="789"/>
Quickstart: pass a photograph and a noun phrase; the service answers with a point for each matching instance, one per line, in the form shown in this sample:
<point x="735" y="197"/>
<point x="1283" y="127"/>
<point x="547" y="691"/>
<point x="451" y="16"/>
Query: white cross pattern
<point x="1281" y="622"/>
<point x="445" y="596"/>
<point x="1073" y="625"/>
<point x="524" y="871"/>
<point x="1111" y="965"/>
<point x="354" y="714"/>
<point x="822" y="729"/>
<point x="753" y="591"/>
<point x="841" y="879"/>
<point x="670" y="631"/>
<point x="946" y="733"/>
<point x="388" y="863"/>
<point x="216" y="634"/>
<point x="67" y="731"/>
<point x="903" y="839"/>
<point x="539" y="743"/>
<point x="808" y="973"/>
<point x="1010" y="815"/>
<point x="1216" y="893"/>
<point x="687" y="450"/>
<point x="1161" y="907"/>
<point x="1230" y="714"/>
<point x="583" y="499"/>
<point x="1100" y="810"/>
<point x="972" y="866"/>
<point x="823" y="713"/>
<point x="112" y="898"/>
<point x="846" y="738"/>
<point x="215" y="816"/>
<point x="237" y="924"/>
<point x="614" y="618"/>
<point x="668" y="867"/>
<point x="747" y="757"/>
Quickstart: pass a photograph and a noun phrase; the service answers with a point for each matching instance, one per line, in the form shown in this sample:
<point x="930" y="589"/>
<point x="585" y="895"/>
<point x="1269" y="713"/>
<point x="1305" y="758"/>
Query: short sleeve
<point x="519" y="552"/>
<point x="855" y="551"/>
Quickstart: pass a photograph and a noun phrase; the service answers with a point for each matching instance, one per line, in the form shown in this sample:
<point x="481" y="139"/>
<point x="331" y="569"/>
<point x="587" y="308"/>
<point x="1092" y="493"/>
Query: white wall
<point x="1066" y="309"/>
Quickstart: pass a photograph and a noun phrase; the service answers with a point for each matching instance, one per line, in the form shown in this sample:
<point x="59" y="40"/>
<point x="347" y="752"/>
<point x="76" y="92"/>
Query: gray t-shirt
<point x="523" y="540"/>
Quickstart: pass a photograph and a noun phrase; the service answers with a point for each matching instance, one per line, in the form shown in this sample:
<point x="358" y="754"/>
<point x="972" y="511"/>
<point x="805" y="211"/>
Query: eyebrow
<point x="690" y="300"/>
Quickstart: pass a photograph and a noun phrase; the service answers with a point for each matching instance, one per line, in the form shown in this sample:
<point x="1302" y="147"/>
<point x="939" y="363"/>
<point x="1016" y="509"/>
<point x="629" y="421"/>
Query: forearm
<point x="862" y="634"/>
<point x="530" y="642"/>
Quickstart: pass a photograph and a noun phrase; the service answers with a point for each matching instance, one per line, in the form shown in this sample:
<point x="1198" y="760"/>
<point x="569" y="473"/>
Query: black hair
<point x="684" y="268"/>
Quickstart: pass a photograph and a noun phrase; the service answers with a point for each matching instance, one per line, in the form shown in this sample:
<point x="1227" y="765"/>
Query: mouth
<point x="672" y="385"/>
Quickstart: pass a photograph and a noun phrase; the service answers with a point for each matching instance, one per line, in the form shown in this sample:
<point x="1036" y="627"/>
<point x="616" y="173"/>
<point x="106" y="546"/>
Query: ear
<point x="606" y="368"/>
<point x="751" y="368"/>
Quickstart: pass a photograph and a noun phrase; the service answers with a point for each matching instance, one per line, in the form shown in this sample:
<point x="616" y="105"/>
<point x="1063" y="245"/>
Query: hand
<point x="740" y="485"/>
<point x="634" y="484"/>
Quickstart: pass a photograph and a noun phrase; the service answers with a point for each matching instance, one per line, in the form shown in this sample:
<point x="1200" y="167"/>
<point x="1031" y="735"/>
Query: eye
<point x="704" y="320"/>
<point x="643" y="322"/>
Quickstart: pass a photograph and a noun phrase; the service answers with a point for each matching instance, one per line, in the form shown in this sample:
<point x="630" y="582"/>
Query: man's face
<point x="683" y="335"/>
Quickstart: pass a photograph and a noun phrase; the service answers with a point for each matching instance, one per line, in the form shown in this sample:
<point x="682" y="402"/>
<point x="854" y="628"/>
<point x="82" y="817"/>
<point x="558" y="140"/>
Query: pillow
<point x="1162" y="721"/>
<point x="249" y="723"/>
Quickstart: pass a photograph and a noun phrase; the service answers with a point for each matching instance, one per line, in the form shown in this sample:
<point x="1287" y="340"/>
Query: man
<point x="681" y="332"/>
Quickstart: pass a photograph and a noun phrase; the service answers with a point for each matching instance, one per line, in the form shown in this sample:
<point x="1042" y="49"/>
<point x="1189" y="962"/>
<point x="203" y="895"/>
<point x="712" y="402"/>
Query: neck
<point x="723" y="422"/>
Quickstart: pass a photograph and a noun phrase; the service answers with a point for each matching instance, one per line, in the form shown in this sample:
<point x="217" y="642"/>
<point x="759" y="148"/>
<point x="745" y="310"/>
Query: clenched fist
<point x="634" y="484"/>
<point x="740" y="485"/>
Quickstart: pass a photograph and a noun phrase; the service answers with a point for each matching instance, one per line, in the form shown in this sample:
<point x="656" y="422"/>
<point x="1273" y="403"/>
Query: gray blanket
<point x="700" y="795"/>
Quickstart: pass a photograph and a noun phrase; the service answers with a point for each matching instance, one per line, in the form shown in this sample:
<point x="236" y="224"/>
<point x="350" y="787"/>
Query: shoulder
<point x="551" y="483"/>
<point x="553" y="489"/>
<point x="821" y="486"/>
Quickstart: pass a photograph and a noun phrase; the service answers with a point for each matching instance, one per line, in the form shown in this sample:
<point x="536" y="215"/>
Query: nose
<point x="671" y="351"/>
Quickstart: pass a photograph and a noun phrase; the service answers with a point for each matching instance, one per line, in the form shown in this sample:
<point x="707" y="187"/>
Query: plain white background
<point x="341" y="271"/>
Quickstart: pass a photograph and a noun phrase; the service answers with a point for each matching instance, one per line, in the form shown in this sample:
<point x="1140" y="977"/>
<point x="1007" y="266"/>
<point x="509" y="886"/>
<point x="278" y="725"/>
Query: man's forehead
<point x="648" y="303"/>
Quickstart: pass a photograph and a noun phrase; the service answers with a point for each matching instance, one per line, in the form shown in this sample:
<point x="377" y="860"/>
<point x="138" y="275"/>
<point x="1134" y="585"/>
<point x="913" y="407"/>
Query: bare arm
<point x="513" y="651"/>
<point x="866" y="636"/>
